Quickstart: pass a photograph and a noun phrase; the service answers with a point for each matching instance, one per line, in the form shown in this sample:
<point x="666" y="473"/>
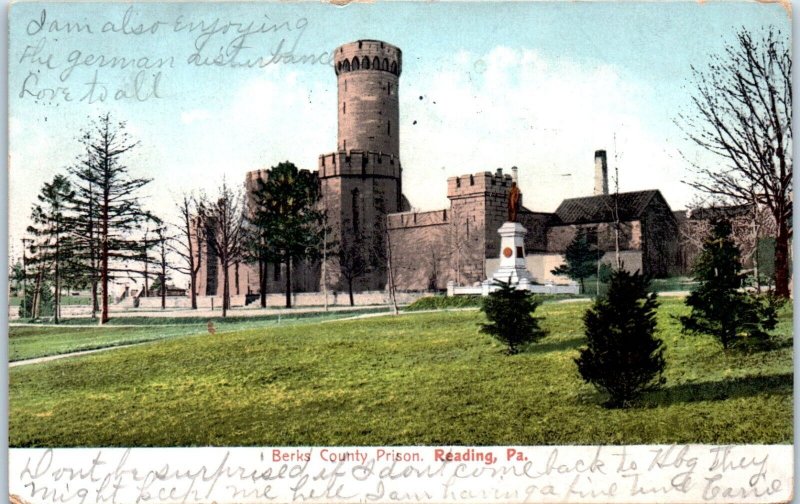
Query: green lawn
<point x="34" y="340"/>
<point x="427" y="378"/>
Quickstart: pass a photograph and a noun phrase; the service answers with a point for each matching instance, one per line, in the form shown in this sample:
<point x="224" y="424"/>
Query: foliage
<point x="623" y="357"/>
<point x="268" y="384"/>
<point x="46" y="302"/>
<point x="742" y="115"/>
<point x="285" y="218"/>
<point x="51" y="248"/>
<point x="719" y="307"/>
<point x="106" y="205"/>
<point x="580" y="259"/>
<point x="510" y="314"/>
<point x="444" y="302"/>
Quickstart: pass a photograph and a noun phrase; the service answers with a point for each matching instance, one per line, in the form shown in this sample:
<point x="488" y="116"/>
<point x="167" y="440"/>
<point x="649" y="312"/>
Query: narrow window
<point x="345" y="84"/>
<point x="356" y="64"/>
<point x="346" y="65"/>
<point x="394" y="67"/>
<point x="376" y="63"/>
<point x="389" y="89"/>
<point x="356" y="213"/>
<point x="386" y="64"/>
<point x="389" y="128"/>
<point x="365" y="63"/>
<point x="344" y="107"/>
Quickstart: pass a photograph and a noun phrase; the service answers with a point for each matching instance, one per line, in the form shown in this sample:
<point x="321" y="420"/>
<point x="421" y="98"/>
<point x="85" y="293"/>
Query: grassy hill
<point x="425" y="378"/>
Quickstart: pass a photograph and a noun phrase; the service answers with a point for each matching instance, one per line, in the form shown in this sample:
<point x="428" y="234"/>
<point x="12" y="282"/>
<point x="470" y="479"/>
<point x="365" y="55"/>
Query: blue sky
<point x="536" y="85"/>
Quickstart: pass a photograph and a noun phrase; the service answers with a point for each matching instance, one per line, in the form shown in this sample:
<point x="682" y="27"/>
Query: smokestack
<point x="514" y="174"/>
<point x="600" y="173"/>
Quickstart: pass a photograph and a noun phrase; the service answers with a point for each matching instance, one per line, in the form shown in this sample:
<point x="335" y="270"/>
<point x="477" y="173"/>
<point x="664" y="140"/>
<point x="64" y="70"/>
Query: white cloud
<point x="195" y="115"/>
<point x="547" y="116"/>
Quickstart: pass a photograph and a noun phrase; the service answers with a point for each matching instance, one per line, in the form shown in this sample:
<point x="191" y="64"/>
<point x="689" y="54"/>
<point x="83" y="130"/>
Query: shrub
<point x="720" y="307"/>
<point x="510" y="313"/>
<point x="623" y="357"/>
<point x="443" y="302"/>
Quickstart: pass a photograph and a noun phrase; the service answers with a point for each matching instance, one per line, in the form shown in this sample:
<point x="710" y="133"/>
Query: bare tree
<point x="226" y="227"/>
<point x="389" y="267"/>
<point x="162" y="247"/>
<point x="742" y="114"/>
<point x="187" y="245"/>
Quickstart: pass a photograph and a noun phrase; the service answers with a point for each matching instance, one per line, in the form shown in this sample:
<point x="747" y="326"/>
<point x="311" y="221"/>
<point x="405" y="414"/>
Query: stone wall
<point x="660" y="248"/>
<point x="630" y="236"/>
<point x="422" y="256"/>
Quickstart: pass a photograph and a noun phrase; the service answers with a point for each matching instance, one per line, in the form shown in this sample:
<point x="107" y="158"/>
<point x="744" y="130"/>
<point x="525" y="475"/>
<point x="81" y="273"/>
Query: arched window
<point x="346" y="65"/>
<point x="386" y="64"/>
<point x="394" y="67"/>
<point x="356" y="64"/>
<point x="365" y="63"/>
<point x="376" y="63"/>
<point x="339" y="66"/>
<point x="356" y="212"/>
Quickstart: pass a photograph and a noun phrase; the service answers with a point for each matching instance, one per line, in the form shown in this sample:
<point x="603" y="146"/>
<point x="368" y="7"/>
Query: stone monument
<point x="512" y="246"/>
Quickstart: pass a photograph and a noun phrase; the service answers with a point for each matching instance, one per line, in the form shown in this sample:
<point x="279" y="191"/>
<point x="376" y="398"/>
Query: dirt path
<point x="39" y="360"/>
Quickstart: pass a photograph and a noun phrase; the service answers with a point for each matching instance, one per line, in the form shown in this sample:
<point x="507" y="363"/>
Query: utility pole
<point x="325" y="264"/>
<point x="616" y="205"/>
<point x="24" y="278"/>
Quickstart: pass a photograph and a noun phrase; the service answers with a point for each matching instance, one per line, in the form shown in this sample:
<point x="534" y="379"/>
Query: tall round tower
<point x="368" y="73"/>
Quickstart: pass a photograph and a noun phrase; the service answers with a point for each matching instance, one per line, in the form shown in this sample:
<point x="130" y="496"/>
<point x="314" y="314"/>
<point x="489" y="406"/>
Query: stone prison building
<point x="362" y="192"/>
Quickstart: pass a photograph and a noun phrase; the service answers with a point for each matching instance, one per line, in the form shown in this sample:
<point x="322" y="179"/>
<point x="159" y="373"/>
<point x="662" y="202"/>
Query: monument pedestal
<point x="512" y="256"/>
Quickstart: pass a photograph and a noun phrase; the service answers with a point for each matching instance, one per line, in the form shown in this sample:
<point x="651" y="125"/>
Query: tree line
<point x="89" y="229"/>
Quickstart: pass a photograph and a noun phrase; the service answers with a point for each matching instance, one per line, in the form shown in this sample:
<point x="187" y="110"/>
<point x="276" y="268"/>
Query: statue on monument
<point x="514" y="196"/>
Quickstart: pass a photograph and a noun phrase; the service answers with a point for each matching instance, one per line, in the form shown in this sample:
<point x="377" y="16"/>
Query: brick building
<point x="361" y="184"/>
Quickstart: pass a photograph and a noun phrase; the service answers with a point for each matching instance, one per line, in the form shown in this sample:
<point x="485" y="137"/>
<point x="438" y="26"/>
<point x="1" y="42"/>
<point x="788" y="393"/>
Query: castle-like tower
<point x="362" y="181"/>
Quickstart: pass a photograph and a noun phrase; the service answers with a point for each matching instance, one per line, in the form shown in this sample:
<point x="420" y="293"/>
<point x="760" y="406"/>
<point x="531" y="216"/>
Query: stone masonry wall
<point x="422" y="258"/>
<point x="559" y="237"/>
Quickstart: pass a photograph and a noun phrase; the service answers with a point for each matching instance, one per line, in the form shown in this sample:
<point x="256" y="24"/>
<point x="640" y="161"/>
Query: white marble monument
<point x="512" y="256"/>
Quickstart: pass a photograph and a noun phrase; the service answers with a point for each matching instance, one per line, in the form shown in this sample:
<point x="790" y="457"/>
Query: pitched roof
<point x="631" y="206"/>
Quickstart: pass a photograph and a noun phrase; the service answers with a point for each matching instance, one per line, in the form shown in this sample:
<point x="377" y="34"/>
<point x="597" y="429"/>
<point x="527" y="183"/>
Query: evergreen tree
<point x="107" y="204"/>
<point x="50" y="247"/>
<point x="580" y="259"/>
<point x="510" y="313"/>
<point x="285" y="217"/>
<point x="623" y="357"/>
<point x="38" y="301"/>
<point x="719" y="307"/>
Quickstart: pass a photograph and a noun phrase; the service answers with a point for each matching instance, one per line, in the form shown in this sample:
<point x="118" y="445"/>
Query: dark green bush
<point x="510" y="314"/>
<point x="443" y="302"/>
<point x="623" y="357"/>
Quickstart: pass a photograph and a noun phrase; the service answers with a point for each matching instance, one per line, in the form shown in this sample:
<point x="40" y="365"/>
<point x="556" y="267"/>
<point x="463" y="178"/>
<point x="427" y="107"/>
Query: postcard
<point x="400" y="251"/>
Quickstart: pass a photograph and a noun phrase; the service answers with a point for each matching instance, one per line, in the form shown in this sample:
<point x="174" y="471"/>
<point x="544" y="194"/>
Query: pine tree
<point x="719" y="307"/>
<point x="51" y="247"/>
<point x="580" y="259"/>
<point x="510" y="313"/>
<point x="107" y="204"/>
<point x="623" y="358"/>
<point x="286" y="217"/>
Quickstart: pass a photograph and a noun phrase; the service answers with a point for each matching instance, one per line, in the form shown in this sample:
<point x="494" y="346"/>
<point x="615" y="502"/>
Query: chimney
<point x="600" y="173"/>
<point x="514" y="175"/>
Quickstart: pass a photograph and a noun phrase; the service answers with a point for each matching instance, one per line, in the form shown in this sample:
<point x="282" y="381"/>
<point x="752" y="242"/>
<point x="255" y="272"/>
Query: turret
<point x="368" y="73"/>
